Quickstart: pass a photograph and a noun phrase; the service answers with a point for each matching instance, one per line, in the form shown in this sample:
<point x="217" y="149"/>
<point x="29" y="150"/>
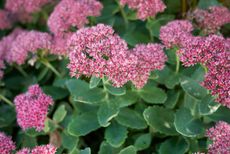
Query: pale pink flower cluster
<point x="145" y="8"/>
<point x="220" y="136"/>
<point x="149" y="57"/>
<point x="5" y="22"/>
<point x="212" y="19"/>
<point x="72" y="13"/>
<point x="175" y="33"/>
<point x="97" y="51"/>
<point x="6" y="144"/>
<point x="32" y="108"/>
<point x="44" y="149"/>
<point x="213" y="53"/>
<point x="19" y="46"/>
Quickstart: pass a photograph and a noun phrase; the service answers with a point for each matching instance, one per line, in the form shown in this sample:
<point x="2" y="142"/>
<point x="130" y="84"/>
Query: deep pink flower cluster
<point x="32" y="108"/>
<point x="45" y="149"/>
<point x="175" y="33"/>
<point x="6" y="144"/>
<point x="25" y="42"/>
<point x="145" y="8"/>
<point x="220" y="136"/>
<point x="72" y="13"/>
<point x="213" y="53"/>
<point x="5" y="22"/>
<point x="99" y="52"/>
<point x="212" y="19"/>
<point x="149" y="57"/>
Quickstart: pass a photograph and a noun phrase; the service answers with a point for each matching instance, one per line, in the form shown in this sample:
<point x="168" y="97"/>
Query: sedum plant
<point x="118" y="76"/>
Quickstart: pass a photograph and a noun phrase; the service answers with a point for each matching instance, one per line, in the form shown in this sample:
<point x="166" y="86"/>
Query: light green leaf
<point x="60" y="114"/>
<point x="107" y="111"/>
<point x="160" y="119"/>
<point x="131" y="119"/>
<point x="204" y="4"/>
<point x="116" y="134"/>
<point x="83" y="124"/>
<point x="115" y="91"/>
<point x="172" y="99"/>
<point x="106" y="148"/>
<point x="69" y="142"/>
<point x="152" y="95"/>
<point x="128" y="150"/>
<point x="207" y="105"/>
<point x="187" y="125"/>
<point x="94" y="81"/>
<point x="85" y="151"/>
<point x="193" y="88"/>
<point x="56" y="92"/>
<point x="143" y="141"/>
<point x="175" y="145"/>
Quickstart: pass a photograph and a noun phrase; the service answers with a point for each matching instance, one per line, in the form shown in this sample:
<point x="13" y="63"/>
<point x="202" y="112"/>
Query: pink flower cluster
<point x="99" y="52"/>
<point x="175" y="33"/>
<point x="45" y="149"/>
<point x="145" y="8"/>
<point x="213" y="53"/>
<point x="220" y="136"/>
<point x="6" y="144"/>
<point x="5" y="22"/>
<point x="72" y="13"/>
<point x="32" y="108"/>
<point x="212" y="19"/>
<point x="149" y="57"/>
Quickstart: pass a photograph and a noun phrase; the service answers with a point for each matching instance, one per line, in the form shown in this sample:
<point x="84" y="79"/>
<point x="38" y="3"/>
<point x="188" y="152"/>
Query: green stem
<point x="21" y="70"/>
<point x="105" y="89"/>
<point x="123" y="14"/>
<point x="150" y="31"/>
<point x="205" y="68"/>
<point x="6" y="100"/>
<point x="177" y="64"/>
<point x="184" y="7"/>
<point x="47" y="64"/>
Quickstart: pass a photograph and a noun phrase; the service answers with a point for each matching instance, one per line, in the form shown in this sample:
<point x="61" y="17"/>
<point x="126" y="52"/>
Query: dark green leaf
<point x="60" y="114"/>
<point x="129" y="150"/>
<point x="143" y="141"/>
<point x="56" y="92"/>
<point x="94" y="81"/>
<point x="207" y="105"/>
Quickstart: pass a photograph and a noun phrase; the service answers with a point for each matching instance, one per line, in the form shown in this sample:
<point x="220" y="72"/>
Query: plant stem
<point x="150" y="31"/>
<point x="177" y="64"/>
<point x="184" y="7"/>
<point x="123" y="14"/>
<point x="47" y="64"/>
<point x="6" y="100"/>
<point x="205" y="68"/>
<point x="21" y="70"/>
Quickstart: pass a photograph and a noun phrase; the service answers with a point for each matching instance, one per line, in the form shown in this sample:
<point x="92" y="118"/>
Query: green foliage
<point x="168" y="115"/>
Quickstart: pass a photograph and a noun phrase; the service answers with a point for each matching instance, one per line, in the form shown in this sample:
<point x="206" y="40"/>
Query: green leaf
<point x="131" y="119"/>
<point x="94" y="81"/>
<point x="7" y="115"/>
<point x="143" y="141"/>
<point x="126" y="100"/>
<point x="172" y="99"/>
<point x="128" y="150"/>
<point x="33" y="133"/>
<point x="83" y="124"/>
<point x="85" y="151"/>
<point x="152" y="95"/>
<point x="60" y="114"/>
<point x="160" y="119"/>
<point x="81" y="92"/>
<point x="186" y="124"/>
<point x="116" y="134"/>
<point x="207" y="105"/>
<point x="115" y="91"/>
<point x="204" y="4"/>
<point x="192" y="104"/>
<point x="172" y="80"/>
<point x="107" y="111"/>
<point x="106" y="148"/>
<point x="175" y="145"/>
<point x="222" y="114"/>
<point x="69" y="142"/>
<point x="56" y="92"/>
<point x="193" y="88"/>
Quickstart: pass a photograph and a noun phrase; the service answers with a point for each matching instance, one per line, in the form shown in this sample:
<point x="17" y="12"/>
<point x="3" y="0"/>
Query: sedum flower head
<point x="6" y="144"/>
<point x="72" y="13"/>
<point x="175" y="33"/>
<point x="44" y="149"/>
<point x="6" y="21"/>
<point x="220" y="136"/>
<point x="25" y="42"/>
<point x="96" y="51"/>
<point x="32" y="108"/>
<point x="145" y="8"/>
<point x="212" y="19"/>
<point x="150" y="57"/>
